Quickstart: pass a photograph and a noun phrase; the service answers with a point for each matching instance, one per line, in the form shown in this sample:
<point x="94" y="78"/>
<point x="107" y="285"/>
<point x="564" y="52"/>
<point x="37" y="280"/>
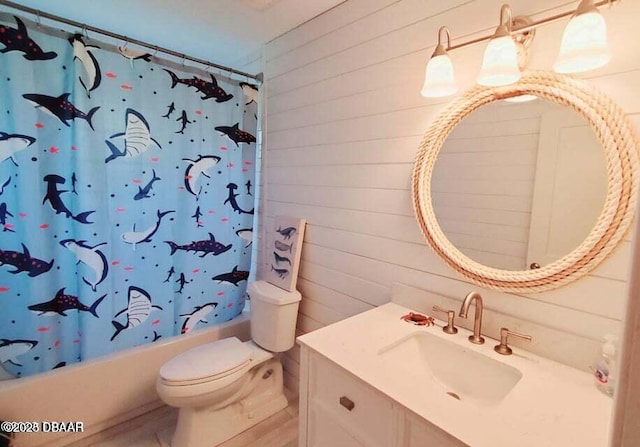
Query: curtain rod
<point x="116" y="36"/>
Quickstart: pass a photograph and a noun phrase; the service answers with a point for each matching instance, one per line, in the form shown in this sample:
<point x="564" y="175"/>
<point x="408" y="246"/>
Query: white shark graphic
<point x="11" y="349"/>
<point x="136" y="237"/>
<point x="137" y="310"/>
<point x="198" y="315"/>
<point x="90" y="256"/>
<point x="137" y="137"/>
<point x="89" y="62"/>
<point x="246" y="234"/>
<point x="197" y="168"/>
<point x="10" y="144"/>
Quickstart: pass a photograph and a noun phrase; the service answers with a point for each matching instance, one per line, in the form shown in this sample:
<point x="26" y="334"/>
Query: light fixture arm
<point x="520" y="29"/>
<point x="440" y="49"/>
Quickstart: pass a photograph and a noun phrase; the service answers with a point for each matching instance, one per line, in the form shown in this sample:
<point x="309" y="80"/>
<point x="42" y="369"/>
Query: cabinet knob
<point x="347" y="403"/>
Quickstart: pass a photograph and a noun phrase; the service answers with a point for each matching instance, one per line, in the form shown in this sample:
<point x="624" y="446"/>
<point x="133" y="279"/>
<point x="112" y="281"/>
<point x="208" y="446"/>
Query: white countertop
<point x="551" y="405"/>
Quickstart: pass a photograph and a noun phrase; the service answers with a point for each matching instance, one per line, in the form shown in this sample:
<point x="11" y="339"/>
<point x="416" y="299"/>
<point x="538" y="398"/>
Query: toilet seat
<point x="207" y="363"/>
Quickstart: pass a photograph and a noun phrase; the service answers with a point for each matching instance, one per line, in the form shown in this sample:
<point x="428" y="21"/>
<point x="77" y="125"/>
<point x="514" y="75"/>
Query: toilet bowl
<point x="225" y="387"/>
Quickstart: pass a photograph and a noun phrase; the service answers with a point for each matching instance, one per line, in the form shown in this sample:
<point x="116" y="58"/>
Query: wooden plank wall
<point x="343" y="121"/>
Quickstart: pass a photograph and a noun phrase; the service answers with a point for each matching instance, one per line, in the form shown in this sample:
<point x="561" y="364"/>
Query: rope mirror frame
<point x="619" y="143"/>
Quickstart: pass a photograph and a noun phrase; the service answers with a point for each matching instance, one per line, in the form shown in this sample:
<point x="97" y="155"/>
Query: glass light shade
<point x="439" y="79"/>
<point x="584" y="44"/>
<point x="500" y="63"/>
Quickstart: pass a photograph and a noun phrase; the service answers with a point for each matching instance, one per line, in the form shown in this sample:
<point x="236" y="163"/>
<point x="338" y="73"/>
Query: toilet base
<point x="262" y="396"/>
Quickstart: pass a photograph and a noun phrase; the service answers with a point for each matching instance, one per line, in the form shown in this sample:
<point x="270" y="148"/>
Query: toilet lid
<point x="207" y="361"/>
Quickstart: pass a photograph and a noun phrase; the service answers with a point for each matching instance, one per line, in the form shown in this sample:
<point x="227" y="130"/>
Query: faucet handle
<point x="449" y="328"/>
<point x="503" y="348"/>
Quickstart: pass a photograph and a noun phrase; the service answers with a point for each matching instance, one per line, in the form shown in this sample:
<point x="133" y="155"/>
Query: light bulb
<point x="500" y="62"/>
<point x="439" y="77"/>
<point x="584" y="42"/>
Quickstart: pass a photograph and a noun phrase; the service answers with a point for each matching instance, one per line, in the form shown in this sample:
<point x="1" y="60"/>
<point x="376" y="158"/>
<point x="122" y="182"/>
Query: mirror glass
<point x="518" y="183"/>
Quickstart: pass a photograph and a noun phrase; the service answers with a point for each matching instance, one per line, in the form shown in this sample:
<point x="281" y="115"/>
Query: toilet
<point x="225" y="387"/>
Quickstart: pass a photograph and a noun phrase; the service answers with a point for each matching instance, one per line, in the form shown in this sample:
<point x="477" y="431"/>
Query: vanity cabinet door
<point x="420" y="433"/>
<point x="324" y="431"/>
<point x="338" y="398"/>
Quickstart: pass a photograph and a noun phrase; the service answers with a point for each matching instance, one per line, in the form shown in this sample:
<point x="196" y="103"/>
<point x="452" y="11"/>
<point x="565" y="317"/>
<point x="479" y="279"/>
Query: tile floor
<point x="155" y="428"/>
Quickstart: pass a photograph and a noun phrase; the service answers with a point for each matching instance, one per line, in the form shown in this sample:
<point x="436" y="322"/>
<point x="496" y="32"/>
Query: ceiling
<point x="227" y="32"/>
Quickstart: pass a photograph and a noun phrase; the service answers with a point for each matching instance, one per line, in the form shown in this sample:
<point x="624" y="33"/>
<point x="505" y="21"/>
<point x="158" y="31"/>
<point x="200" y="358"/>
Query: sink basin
<point x="461" y="373"/>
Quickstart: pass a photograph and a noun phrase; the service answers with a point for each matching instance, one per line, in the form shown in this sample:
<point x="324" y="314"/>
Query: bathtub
<point x="103" y="392"/>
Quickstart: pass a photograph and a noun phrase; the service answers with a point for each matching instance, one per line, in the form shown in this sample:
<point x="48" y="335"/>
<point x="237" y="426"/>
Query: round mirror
<point x="527" y="196"/>
<point x="519" y="184"/>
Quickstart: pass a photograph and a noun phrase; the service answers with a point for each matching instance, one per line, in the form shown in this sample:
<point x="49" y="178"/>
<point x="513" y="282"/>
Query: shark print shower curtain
<point x="126" y="197"/>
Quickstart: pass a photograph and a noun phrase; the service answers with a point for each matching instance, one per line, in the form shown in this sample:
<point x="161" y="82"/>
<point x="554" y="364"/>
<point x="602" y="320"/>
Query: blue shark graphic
<point x="53" y="197"/>
<point x="60" y="107"/>
<point x="236" y="134"/>
<point x="143" y="193"/>
<point x="17" y="39"/>
<point x="4" y="213"/>
<point x="61" y="303"/>
<point x="231" y="200"/>
<point x="234" y="277"/>
<point x="183" y="121"/>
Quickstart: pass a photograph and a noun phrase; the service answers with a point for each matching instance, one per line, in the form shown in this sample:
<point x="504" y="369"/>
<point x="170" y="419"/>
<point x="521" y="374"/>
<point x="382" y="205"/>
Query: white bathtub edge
<point x="78" y="392"/>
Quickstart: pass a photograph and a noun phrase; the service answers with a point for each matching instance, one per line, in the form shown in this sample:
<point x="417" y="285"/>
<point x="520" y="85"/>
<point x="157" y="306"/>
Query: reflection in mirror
<point x="519" y="183"/>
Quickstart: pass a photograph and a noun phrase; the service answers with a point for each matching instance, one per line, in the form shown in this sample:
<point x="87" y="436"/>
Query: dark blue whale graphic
<point x="210" y="89"/>
<point x="23" y="262"/>
<point x="205" y="246"/>
<point x="17" y="39"/>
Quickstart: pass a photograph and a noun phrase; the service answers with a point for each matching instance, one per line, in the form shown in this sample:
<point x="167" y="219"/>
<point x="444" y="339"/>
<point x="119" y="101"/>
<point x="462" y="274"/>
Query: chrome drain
<point x="454" y="395"/>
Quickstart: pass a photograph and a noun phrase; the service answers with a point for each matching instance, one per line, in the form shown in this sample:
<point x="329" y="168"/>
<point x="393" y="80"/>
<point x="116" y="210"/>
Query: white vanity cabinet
<point x="339" y="410"/>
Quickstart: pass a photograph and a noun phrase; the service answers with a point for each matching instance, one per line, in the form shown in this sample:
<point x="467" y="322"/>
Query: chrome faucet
<point x="477" y="321"/>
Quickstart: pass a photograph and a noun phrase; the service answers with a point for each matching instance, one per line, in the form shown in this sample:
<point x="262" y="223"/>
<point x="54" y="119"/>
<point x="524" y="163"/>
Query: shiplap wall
<point x="343" y="121"/>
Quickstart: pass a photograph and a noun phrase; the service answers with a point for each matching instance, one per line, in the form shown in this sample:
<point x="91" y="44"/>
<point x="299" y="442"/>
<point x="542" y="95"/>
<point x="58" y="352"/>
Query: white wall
<point x="344" y="118"/>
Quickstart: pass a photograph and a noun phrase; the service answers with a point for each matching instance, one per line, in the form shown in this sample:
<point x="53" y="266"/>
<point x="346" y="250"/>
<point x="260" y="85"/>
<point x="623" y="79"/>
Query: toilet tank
<point x="274" y="312"/>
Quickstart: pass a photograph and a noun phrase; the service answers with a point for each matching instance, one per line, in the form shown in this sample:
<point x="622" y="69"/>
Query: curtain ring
<point x="155" y="53"/>
<point x="38" y="18"/>
<point x="126" y="42"/>
<point x="183" y="59"/>
<point x="85" y="33"/>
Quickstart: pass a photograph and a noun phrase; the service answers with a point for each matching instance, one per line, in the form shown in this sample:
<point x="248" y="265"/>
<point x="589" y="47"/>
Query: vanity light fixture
<point x="584" y="42"/>
<point x="500" y="62"/>
<point x="439" y="79"/>
<point x="583" y="48"/>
